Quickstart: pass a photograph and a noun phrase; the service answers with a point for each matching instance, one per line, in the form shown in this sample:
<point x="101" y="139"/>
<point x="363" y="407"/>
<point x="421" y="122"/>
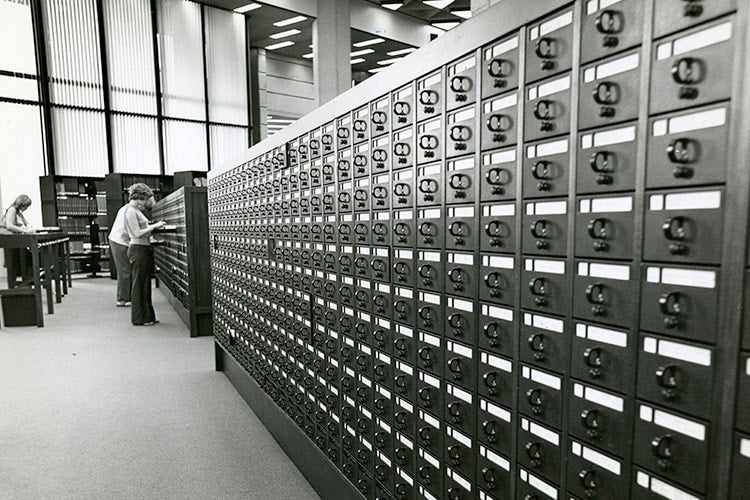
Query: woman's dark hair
<point x="139" y="191"/>
<point x="22" y="202"/>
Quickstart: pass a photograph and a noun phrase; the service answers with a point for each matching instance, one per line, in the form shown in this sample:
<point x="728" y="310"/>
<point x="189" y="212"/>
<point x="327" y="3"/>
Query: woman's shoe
<point x="122" y="303"/>
<point x="151" y="323"/>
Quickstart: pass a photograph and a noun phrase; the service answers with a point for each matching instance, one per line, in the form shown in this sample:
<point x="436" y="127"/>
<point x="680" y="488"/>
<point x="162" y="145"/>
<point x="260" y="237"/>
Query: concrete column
<point x="258" y="97"/>
<point x="332" y="42"/>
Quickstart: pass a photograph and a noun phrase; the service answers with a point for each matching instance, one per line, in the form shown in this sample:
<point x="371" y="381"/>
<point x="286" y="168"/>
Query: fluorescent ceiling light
<point x="438" y="4"/>
<point x="401" y="52"/>
<point x="357" y="61"/>
<point x="279" y="45"/>
<point x="366" y="43"/>
<point x="392" y="5"/>
<point x="375" y="70"/>
<point x="446" y="26"/>
<point x="248" y="7"/>
<point x="284" y="34"/>
<point x="308" y="56"/>
<point x="385" y="62"/>
<point x="464" y="13"/>
<point x="291" y="20"/>
<point x="362" y="52"/>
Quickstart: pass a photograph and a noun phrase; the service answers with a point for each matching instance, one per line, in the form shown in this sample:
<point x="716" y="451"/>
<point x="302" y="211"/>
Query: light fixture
<point x="284" y="34"/>
<point x="366" y="43"/>
<point x="392" y="5"/>
<point x="357" y="60"/>
<point x="438" y="4"/>
<point x="385" y="62"/>
<point x="375" y="70"/>
<point x="248" y="7"/>
<point x="446" y="26"/>
<point x="279" y="45"/>
<point x="308" y="56"/>
<point x="462" y="13"/>
<point x="401" y="52"/>
<point x="291" y="20"/>
<point x="362" y="52"/>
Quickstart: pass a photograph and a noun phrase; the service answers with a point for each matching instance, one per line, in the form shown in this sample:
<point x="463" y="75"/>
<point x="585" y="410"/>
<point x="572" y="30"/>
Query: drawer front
<point x="603" y="356"/>
<point x="461" y="230"/>
<point x="610" y="28"/>
<point x="676" y="375"/>
<point x="545" y="228"/>
<point x="545" y="169"/>
<point x="461" y="132"/>
<point x="497" y="283"/>
<point x="650" y="486"/>
<point x="540" y="396"/>
<point x="742" y="420"/>
<point x="542" y="290"/>
<point x="494" y="473"/>
<point x="539" y="450"/>
<point x="532" y="486"/>
<point x="496" y="331"/>
<point x="604" y="292"/>
<point x="674" y="15"/>
<point x="601" y="419"/>
<point x="549" y="46"/>
<point x="544" y="342"/>
<point x="680" y="302"/>
<point x="688" y="148"/>
<point x="430" y="141"/>
<point x="496" y="381"/>
<point x="495" y="429"/>
<point x="592" y="474"/>
<point x="461" y="276"/>
<point x="500" y="66"/>
<point x="610" y="91"/>
<point x="684" y="226"/>
<point x="461" y="83"/>
<point x="460" y="320"/>
<point x="461" y="413"/>
<point x="430" y="97"/>
<point x="403" y="148"/>
<point x="606" y="159"/>
<point x="461" y="180"/>
<point x="604" y="227"/>
<point x="741" y="467"/>
<point x="498" y="176"/>
<point x="499" y="122"/>
<point x="403" y="107"/>
<point x="690" y="69"/>
<point x="547" y="108"/>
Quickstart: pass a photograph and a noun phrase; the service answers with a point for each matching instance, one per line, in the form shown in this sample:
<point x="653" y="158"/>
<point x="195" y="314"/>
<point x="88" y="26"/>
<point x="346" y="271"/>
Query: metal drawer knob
<point x="497" y="176"/>
<point x="535" y="398"/>
<point x="590" y="420"/>
<point x="500" y="68"/>
<point x="489" y="427"/>
<point x="535" y="452"/>
<point x="661" y="447"/>
<point x="609" y="22"/>
<point x="425" y="354"/>
<point x="587" y="479"/>
<point x="425" y="433"/>
<point x="492" y="332"/>
<point x="607" y="93"/>
<point x="538" y="286"/>
<point x="688" y="71"/>
<point x="545" y="109"/>
<point x="683" y="151"/>
<point x="426" y="396"/>
<point x="425" y="474"/>
<point x="547" y="48"/>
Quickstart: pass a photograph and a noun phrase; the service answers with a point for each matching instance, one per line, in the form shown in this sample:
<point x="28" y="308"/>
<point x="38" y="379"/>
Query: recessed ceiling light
<point x="401" y="52"/>
<point x="375" y="70"/>
<point x="392" y="5"/>
<point x="446" y="26"/>
<point x="248" y="7"/>
<point x="366" y="43"/>
<point x="357" y="60"/>
<point x="438" y="4"/>
<point x="279" y="45"/>
<point x="389" y="61"/>
<point x="362" y="52"/>
<point x="464" y="13"/>
<point x="308" y="56"/>
<point x="284" y="34"/>
<point x="291" y="20"/>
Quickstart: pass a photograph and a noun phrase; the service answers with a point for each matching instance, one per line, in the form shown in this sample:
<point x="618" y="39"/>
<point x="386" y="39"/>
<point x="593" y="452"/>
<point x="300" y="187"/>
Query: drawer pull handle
<point x="492" y="332"/>
<point x="459" y="133"/>
<point x="607" y="93"/>
<point x="426" y="396"/>
<point x="425" y="354"/>
<point x="428" y="229"/>
<point x="490" y="430"/>
<point x="489" y="474"/>
<point x="428" y="97"/>
<point x="592" y="356"/>
<point x="461" y="84"/>
<point x="590" y="421"/>
<point x="454" y="365"/>
<point x="542" y="170"/>
<point x="536" y="344"/>
<point x="500" y="68"/>
<point x="498" y="177"/>
<point x="457" y="275"/>
<point x="428" y="271"/>
<point x="424" y="473"/>
<point x="499" y="123"/>
<point x="688" y="71"/>
<point x="587" y="479"/>
<point x="610" y="22"/>
<point x="538" y="286"/>
<point x="683" y="151"/>
<point x="677" y="229"/>
<point x="425" y="433"/>
<point x="490" y="381"/>
<point x="542" y="229"/>
<point x="535" y="398"/>
<point x="661" y="447"/>
<point x="545" y="110"/>
<point x="460" y="181"/>
<point x="459" y="228"/>
<point x="535" y="453"/>
<point x="455" y="411"/>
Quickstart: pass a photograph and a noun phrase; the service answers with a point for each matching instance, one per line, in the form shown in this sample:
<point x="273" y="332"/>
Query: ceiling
<point x="262" y="26"/>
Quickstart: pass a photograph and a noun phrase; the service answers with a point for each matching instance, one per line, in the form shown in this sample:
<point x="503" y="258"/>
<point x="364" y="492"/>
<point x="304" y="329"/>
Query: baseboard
<point x="323" y="476"/>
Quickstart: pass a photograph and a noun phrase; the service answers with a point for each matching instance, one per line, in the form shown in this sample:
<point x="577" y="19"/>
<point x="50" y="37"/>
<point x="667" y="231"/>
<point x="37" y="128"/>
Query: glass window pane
<point x="130" y="55"/>
<point x="226" y="66"/>
<point x="18" y="88"/>
<point x="181" y="58"/>
<point x="22" y="156"/>
<point x="226" y="143"/>
<point x="73" y="57"/>
<point x="184" y="146"/>
<point x="135" y="145"/>
<point x="17" y="37"/>
<point x="79" y="142"/>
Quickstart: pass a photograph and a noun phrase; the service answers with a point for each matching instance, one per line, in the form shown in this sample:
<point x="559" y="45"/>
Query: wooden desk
<point x="47" y="247"/>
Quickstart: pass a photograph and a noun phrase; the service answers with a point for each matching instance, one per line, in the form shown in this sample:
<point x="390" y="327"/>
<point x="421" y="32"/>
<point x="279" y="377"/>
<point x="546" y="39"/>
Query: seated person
<point x="17" y="260"/>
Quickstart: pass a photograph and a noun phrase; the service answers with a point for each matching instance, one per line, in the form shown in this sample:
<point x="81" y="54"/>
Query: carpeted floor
<point x="92" y="407"/>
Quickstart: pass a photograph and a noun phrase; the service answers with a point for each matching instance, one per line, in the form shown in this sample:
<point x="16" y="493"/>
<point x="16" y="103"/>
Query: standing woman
<point x="140" y="253"/>
<point x="118" y="247"/>
<point x="17" y="261"/>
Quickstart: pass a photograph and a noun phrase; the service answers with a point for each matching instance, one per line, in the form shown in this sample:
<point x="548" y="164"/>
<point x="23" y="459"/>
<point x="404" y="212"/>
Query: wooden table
<point x="50" y="252"/>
